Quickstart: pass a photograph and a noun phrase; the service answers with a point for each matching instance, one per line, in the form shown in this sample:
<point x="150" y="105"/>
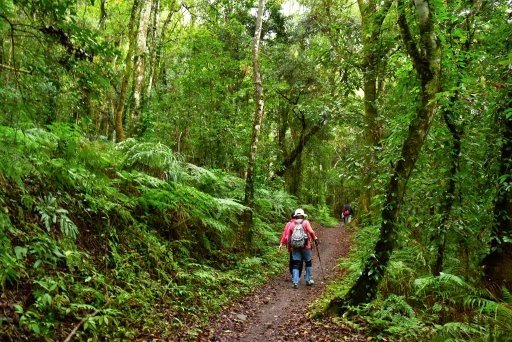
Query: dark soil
<point x="278" y="312"/>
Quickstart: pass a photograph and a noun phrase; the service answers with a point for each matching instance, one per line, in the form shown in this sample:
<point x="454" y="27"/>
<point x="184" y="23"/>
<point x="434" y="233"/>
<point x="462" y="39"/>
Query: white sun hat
<point x="300" y="212"/>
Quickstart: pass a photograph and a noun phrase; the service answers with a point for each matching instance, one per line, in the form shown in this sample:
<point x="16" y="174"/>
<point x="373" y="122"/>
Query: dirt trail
<point x="278" y="312"/>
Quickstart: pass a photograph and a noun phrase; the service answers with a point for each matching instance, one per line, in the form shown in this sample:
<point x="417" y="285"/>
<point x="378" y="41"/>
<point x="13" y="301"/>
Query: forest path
<point x="278" y="312"/>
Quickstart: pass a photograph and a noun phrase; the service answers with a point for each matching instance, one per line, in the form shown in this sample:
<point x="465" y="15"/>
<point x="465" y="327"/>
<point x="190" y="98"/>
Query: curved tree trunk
<point x="426" y="64"/>
<point x="456" y="131"/>
<point x="297" y="151"/>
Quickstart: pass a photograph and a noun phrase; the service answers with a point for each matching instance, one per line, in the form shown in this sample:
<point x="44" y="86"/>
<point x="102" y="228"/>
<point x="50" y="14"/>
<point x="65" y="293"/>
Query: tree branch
<point x="7" y="67"/>
<point x="407" y="38"/>
<point x="65" y="41"/>
<point x="300" y="147"/>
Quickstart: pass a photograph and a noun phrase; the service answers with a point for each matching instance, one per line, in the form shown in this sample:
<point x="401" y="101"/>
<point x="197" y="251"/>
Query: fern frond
<point x="41" y="138"/>
<point x="228" y="207"/>
<point x="499" y="312"/>
<point x="507" y="296"/>
<point x="458" y="331"/>
<point x="154" y="158"/>
<point x="444" y="285"/>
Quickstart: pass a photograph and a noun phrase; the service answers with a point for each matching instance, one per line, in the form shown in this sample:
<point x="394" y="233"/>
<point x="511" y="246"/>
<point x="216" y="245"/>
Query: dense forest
<point x="152" y="150"/>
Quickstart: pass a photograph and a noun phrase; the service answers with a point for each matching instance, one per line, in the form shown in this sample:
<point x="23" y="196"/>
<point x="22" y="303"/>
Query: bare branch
<point x="7" y="67"/>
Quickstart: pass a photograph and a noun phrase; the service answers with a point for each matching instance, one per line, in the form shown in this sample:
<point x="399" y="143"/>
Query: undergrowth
<point x="413" y="305"/>
<point x="121" y="241"/>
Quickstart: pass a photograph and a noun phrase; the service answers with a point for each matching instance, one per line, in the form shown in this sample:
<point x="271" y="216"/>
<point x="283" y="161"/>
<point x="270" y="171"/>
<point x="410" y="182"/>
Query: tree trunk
<point x="256" y="128"/>
<point x="456" y="131"/>
<point x="127" y="74"/>
<point x="103" y="15"/>
<point x="372" y="17"/>
<point x="156" y="68"/>
<point x="153" y="47"/>
<point x="449" y="196"/>
<point x="498" y="263"/>
<point x="140" y="64"/>
<point x="426" y="64"/>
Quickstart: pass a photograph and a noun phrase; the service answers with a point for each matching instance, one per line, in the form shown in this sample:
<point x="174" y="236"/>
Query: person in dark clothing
<point x="346" y="213"/>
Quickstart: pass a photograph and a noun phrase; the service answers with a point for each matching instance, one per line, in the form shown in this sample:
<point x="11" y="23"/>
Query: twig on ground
<point x="75" y="329"/>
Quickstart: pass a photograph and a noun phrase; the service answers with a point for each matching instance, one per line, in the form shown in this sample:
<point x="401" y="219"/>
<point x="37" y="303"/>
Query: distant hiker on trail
<point x="346" y="213"/>
<point x="297" y="237"/>
<point x="283" y="237"/>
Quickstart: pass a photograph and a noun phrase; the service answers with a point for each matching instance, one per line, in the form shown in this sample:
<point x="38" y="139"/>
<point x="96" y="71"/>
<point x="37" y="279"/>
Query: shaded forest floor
<point x="278" y="312"/>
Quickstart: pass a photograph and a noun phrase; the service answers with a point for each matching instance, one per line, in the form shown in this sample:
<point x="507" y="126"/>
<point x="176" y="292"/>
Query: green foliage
<point x="12" y="268"/>
<point x="496" y="312"/>
<point x="321" y="214"/>
<point x="88" y="234"/>
<point x="51" y="214"/>
<point x="440" y="308"/>
<point x="157" y="160"/>
<point x="125" y="235"/>
<point x="393" y="317"/>
<point x="274" y="203"/>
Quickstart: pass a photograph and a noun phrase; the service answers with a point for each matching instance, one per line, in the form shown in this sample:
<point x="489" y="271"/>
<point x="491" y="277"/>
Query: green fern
<point x="153" y="158"/>
<point x="446" y="286"/>
<point x="458" y="331"/>
<point x="398" y="278"/>
<point x="395" y="317"/>
<point x="499" y="312"/>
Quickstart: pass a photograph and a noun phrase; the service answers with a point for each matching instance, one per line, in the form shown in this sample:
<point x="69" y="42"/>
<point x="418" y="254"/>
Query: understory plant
<point x="121" y="241"/>
<point x="414" y="305"/>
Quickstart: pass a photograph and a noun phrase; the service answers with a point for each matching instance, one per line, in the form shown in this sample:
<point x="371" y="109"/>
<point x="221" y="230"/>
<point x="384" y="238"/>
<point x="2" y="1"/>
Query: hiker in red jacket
<point x="283" y="238"/>
<point x="297" y="236"/>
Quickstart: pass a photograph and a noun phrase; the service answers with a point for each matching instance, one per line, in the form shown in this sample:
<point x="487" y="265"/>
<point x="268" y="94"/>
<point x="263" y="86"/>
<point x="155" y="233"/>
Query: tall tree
<point x="373" y="13"/>
<point x="498" y="262"/>
<point x="453" y="79"/>
<point x="258" y="119"/>
<point x="123" y="91"/>
<point x="153" y="35"/>
<point x="140" y="63"/>
<point x="426" y="62"/>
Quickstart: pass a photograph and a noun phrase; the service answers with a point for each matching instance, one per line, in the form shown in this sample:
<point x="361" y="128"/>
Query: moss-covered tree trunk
<point x="425" y="58"/>
<point x="498" y="263"/>
<point x="139" y="70"/>
<point x="372" y="18"/>
<point x="296" y="153"/>
<point x="256" y="127"/>
<point x="121" y="100"/>
<point x="449" y="195"/>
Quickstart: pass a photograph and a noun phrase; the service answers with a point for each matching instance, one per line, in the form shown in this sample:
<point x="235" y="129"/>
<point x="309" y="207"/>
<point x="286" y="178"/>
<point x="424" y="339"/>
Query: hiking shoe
<point x="295" y="286"/>
<point x="310" y="282"/>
